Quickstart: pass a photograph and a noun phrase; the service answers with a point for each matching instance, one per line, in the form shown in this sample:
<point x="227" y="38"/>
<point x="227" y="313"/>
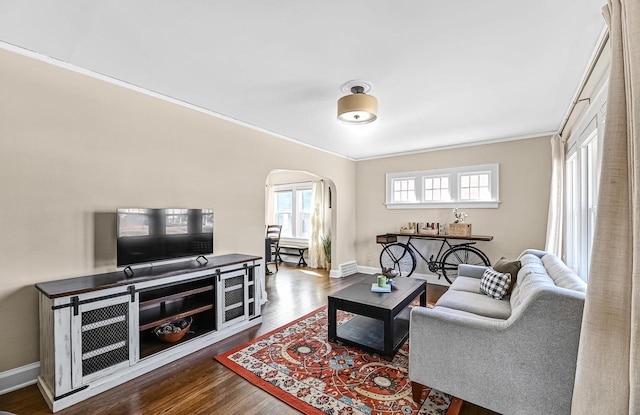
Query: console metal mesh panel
<point x="233" y="313"/>
<point x="233" y="297"/>
<point x="230" y="282"/>
<point x="105" y="335"/>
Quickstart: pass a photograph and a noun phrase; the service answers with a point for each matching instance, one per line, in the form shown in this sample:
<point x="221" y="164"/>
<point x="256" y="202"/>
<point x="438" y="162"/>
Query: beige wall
<point x="520" y="221"/>
<point x="73" y="149"/>
<point x="72" y="146"/>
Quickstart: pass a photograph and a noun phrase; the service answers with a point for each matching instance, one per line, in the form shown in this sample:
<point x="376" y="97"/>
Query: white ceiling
<point x="445" y="73"/>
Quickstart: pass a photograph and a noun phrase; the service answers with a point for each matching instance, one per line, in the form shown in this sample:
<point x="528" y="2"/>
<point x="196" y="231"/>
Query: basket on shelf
<point x="173" y="331"/>
<point x="460" y="229"/>
<point x="428" y="228"/>
<point x="408" y="229"/>
<point x="386" y="239"/>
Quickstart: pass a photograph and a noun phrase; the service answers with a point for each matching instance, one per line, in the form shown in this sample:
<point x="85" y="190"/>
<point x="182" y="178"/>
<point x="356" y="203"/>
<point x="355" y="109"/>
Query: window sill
<point x="439" y="205"/>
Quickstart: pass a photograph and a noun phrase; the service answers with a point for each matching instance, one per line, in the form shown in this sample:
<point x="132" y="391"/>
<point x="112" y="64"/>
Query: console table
<point x="96" y="331"/>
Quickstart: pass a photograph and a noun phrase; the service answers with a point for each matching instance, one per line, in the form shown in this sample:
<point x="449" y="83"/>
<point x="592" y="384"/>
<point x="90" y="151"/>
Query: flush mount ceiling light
<point x="357" y="108"/>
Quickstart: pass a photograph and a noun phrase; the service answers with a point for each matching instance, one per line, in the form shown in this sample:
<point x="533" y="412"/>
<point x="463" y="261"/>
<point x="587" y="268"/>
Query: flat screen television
<point x="153" y="235"/>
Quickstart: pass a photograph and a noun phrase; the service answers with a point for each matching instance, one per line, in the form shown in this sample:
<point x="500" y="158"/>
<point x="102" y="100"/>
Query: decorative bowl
<point x="173" y="331"/>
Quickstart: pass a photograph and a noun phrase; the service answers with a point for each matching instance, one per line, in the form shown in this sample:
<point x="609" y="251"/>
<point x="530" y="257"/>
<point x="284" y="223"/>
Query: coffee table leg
<point x="423" y="297"/>
<point x="388" y="336"/>
<point x="331" y="316"/>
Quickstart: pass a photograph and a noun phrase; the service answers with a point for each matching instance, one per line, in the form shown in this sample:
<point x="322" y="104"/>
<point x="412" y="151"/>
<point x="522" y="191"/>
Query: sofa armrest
<point x="537" y="252"/>
<point x="473" y="271"/>
<point x="526" y="361"/>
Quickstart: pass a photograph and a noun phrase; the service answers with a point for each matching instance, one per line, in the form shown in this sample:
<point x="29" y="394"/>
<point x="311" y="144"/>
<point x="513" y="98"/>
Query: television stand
<point x="96" y="331"/>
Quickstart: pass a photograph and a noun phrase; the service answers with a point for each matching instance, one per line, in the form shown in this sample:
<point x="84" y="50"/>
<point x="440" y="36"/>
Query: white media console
<point x="96" y="332"/>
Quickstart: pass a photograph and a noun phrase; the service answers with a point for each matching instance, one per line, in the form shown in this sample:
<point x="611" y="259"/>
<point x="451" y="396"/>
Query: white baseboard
<point x="368" y="270"/>
<point x="335" y="273"/>
<point x="18" y="378"/>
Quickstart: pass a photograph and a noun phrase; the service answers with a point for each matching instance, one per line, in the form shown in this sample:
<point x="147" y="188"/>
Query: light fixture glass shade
<point x="357" y="108"/>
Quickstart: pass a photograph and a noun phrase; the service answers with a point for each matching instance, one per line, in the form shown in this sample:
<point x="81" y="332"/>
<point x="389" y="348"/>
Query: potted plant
<point x="326" y="246"/>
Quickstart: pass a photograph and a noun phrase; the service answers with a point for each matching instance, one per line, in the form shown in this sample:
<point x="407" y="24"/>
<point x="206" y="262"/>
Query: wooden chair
<point x="273" y="235"/>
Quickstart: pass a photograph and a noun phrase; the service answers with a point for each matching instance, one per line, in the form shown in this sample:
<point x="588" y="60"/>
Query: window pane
<point x="406" y="193"/>
<point x="284" y="200"/>
<point x="445" y="182"/>
<point x="436" y="195"/>
<point x="284" y="213"/>
<point x="475" y="187"/>
<point x="303" y="213"/>
<point x="428" y="183"/>
<point x="484" y="193"/>
<point x="428" y="195"/>
<point x="305" y="225"/>
<point x="306" y="200"/>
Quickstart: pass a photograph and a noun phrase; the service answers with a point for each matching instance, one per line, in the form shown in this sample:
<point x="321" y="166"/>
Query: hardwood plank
<point x="197" y="384"/>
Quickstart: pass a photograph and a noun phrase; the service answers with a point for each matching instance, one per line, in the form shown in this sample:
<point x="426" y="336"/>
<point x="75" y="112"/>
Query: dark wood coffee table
<point x="382" y="321"/>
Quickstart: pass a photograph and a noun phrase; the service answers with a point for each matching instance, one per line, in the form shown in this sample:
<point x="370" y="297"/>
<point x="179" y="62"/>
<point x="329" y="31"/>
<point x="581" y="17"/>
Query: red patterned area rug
<point x="297" y="364"/>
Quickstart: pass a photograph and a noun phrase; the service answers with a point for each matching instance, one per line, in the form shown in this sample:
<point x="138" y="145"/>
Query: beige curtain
<point x="316" y="252"/>
<point x="608" y="378"/>
<point x="556" y="198"/>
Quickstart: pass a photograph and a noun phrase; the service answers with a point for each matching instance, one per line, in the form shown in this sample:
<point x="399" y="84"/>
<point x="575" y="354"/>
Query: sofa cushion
<point x="512" y="267"/>
<point x="495" y="284"/>
<point x="475" y="303"/>
<point x="562" y="275"/>
<point x="468" y="284"/>
<point x="532" y="277"/>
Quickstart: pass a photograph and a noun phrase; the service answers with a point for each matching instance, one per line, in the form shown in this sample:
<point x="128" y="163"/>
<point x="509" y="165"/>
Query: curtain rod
<point x="603" y="41"/>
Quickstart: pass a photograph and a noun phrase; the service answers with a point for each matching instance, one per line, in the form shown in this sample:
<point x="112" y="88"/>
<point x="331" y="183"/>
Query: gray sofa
<point x="513" y="356"/>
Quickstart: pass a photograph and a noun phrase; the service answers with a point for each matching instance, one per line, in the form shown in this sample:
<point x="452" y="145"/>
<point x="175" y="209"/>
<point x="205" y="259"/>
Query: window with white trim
<point x="582" y="175"/>
<point x="467" y="186"/>
<point x="436" y="188"/>
<point x="404" y="190"/>
<point x="293" y="209"/>
<point x="475" y="186"/>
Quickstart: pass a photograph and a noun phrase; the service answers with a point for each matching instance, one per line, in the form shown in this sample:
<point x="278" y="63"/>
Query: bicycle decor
<point x="401" y="257"/>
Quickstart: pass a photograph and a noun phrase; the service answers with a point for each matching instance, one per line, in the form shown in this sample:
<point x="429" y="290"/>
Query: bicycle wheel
<point x="398" y="256"/>
<point x="461" y="254"/>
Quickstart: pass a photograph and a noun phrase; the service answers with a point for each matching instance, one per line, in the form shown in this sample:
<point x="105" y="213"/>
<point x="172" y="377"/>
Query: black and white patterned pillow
<point x="495" y="284"/>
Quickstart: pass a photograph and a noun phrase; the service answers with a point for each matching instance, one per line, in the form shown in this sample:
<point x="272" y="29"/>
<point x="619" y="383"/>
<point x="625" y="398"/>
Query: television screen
<point x="148" y="235"/>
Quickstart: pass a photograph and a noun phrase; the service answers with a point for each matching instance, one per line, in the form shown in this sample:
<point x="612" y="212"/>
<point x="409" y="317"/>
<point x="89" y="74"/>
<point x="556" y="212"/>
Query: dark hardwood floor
<point x="197" y="384"/>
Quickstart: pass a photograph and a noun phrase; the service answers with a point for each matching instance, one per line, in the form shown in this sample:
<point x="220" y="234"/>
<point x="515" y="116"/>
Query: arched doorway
<point x="304" y="204"/>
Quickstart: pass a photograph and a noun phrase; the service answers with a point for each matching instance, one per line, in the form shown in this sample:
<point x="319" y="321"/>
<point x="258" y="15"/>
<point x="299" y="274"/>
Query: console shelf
<point x="153" y="318"/>
<point x="164" y="304"/>
<point x="149" y="344"/>
<point x="176" y="296"/>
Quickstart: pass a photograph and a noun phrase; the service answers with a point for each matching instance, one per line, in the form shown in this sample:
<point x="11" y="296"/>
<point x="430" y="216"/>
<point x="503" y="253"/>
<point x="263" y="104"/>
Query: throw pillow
<point x="512" y="267"/>
<point x="495" y="284"/>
